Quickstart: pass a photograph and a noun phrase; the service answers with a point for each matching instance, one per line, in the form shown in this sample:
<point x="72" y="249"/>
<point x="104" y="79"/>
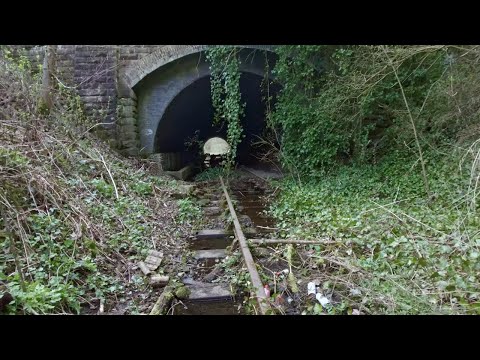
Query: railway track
<point x="243" y="200"/>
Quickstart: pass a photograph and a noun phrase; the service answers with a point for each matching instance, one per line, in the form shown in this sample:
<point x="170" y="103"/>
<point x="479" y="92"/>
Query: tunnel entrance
<point x="187" y="122"/>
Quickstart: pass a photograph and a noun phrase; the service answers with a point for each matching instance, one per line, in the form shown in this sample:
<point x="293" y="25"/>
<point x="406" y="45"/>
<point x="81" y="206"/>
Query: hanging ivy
<point x="226" y="97"/>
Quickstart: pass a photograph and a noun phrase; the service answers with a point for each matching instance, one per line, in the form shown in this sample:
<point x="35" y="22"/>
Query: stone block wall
<point x="94" y="72"/>
<point x="104" y="77"/>
<point x="95" y="77"/>
<point x="128" y="141"/>
<point x="65" y="64"/>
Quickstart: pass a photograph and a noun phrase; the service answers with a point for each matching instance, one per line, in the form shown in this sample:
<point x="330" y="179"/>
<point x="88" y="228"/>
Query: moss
<point x="182" y="292"/>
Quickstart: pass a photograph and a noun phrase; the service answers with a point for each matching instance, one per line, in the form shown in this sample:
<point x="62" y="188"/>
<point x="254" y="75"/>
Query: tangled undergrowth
<point x="386" y="154"/>
<point x="382" y="145"/>
<point x="382" y="151"/>
<point x="76" y="217"/>
<point x="387" y="248"/>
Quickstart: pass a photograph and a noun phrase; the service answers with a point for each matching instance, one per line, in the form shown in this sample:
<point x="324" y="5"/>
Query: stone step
<point x="210" y="254"/>
<point x="213" y="197"/>
<point x="215" y="203"/>
<point x="217" y="307"/>
<point x="213" y="233"/>
<point x="212" y="211"/>
<point x="210" y="243"/>
<point x="200" y="291"/>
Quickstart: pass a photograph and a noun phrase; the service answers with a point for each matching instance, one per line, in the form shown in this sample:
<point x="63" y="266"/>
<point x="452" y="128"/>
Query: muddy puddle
<point x="253" y="205"/>
<point x="212" y="243"/>
<point x="208" y="308"/>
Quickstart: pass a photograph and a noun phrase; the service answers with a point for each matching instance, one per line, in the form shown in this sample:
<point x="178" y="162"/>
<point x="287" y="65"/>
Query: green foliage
<point x="343" y="104"/>
<point x="195" y="144"/>
<point x="49" y="288"/>
<point x="212" y="174"/>
<point x="188" y="210"/>
<point x="402" y="252"/>
<point x="103" y="187"/>
<point x="12" y="159"/>
<point x="405" y="253"/>
<point x="42" y="299"/>
<point x="226" y="97"/>
<point x="20" y="60"/>
<point x="66" y="265"/>
<point x="72" y="235"/>
<point x="72" y="111"/>
<point x="413" y="255"/>
<point x="142" y="188"/>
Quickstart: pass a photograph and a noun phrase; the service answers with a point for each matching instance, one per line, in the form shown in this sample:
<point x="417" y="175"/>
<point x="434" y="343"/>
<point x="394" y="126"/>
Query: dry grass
<point x="49" y="165"/>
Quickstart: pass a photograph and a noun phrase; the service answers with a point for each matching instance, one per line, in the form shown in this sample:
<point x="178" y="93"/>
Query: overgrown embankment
<point x="388" y="248"/>
<point x="383" y="147"/>
<point x="76" y="217"/>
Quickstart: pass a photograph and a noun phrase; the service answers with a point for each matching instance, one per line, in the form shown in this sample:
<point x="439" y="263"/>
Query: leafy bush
<point x="343" y="104"/>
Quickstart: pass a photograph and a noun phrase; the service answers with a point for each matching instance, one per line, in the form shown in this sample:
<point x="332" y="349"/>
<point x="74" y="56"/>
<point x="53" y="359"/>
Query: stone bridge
<point x="149" y="97"/>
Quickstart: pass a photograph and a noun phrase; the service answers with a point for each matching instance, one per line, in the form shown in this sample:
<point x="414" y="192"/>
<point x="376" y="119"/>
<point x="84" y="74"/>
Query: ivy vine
<point x="342" y="104"/>
<point x="226" y="97"/>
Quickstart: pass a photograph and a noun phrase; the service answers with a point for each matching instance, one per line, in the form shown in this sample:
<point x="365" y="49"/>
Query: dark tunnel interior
<point x="191" y="114"/>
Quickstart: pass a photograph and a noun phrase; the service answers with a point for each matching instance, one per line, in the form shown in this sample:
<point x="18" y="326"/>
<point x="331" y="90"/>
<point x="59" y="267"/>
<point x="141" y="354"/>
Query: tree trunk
<point x="46" y="101"/>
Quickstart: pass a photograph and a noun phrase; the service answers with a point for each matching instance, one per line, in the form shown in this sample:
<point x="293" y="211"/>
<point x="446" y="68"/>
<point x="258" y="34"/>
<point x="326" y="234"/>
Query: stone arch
<point x="159" y="78"/>
<point x="165" y="54"/>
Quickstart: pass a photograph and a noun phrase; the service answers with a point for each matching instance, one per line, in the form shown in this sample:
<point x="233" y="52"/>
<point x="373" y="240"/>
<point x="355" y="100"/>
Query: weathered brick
<point x="95" y="70"/>
<point x="96" y="99"/>
<point x="92" y="92"/>
<point x="129" y="57"/>
<point x="127" y="121"/>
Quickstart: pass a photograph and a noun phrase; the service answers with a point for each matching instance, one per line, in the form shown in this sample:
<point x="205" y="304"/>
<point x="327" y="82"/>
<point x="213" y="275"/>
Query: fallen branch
<point x="287" y="241"/>
<point x="163" y="302"/>
<point x="292" y="281"/>
<point x="110" y="174"/>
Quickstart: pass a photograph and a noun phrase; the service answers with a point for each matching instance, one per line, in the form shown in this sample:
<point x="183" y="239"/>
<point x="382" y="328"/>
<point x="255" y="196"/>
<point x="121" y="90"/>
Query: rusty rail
<point x="256" y="282"/>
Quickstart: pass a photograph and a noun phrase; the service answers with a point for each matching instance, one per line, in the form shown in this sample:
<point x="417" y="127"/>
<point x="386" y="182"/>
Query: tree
<point x="46" y="100"/>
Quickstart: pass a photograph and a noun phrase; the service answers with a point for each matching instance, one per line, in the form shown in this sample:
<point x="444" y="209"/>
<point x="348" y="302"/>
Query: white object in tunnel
<point x="216" y="146"/>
